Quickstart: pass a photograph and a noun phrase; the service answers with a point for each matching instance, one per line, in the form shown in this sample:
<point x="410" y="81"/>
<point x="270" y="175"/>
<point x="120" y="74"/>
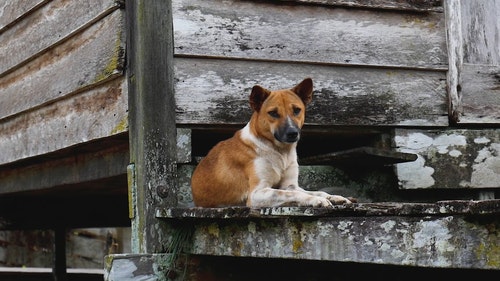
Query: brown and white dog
<point x="258" y="167"/>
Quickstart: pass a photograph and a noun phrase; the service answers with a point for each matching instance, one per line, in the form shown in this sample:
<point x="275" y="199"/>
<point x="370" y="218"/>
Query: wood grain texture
<point x="215" y="92"/>
<point x="481" y="31"/>
<point x="455" y="59"/>
<point x="480" y="77"/>
<point x="46" y="27"/>
<point x="285" y="32"/>
<point x="152" y="132"/>
<point x="13" y="11"/>
<point x="92" y="56"/>
<point x="404" y="5"/>
<point x="90" y="115"/>
<point x="480" y="94"/>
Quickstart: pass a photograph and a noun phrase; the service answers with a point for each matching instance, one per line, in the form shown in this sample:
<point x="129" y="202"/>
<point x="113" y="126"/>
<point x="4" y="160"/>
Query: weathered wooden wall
<point x="370" y="67"/>
<point x="86" y="247"/>
<point x="63" y="97"/>
<point x="422" y="74"/>
<point x="63" y="123"/>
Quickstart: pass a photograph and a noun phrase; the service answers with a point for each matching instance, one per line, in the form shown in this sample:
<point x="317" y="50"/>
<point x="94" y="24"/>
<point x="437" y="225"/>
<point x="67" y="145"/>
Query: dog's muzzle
<point x="289" y="132"/>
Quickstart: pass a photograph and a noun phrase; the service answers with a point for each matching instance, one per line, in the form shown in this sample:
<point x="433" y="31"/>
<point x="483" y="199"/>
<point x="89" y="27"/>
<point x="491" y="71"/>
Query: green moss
<point x="121" y="127"/>
<point x="490" y="249"/>
<point x="115" y="62"/>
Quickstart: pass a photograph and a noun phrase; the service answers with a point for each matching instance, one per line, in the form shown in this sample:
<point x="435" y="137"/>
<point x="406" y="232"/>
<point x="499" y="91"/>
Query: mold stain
<point x="213" y="229"/>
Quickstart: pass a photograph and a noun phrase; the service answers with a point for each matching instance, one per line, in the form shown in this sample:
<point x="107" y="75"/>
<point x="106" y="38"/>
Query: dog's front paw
<point x="317" y="202"/>
<point x="337" y="199"/>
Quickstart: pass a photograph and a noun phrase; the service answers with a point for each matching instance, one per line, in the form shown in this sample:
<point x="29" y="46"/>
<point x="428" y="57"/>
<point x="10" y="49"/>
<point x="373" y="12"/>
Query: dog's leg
<point x="271" y="197"/>
<point x="335" y="199"/>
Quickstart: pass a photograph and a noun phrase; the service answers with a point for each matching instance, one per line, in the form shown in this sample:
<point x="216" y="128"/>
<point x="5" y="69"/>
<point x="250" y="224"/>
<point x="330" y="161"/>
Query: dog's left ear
<point x="304" y="90"/>
<point x="258" y="96"/>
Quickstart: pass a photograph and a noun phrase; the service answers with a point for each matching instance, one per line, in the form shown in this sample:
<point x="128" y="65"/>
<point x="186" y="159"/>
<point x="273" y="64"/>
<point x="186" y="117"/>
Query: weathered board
<point x="285" y="32"/>
<point x="90" y="115"/>
<point x="84" y="167"/>
<point x="405" y="5"/>
<point x="213" y="91"/>
<point x="100" y="46"/>
<point x="11" y="12"/>
<point x="454" y="158"/>
<point x="446" y="234"/>
<point x="474" y="52"/>
<point x="27" y="40"/>
<point x="480" y="94"/>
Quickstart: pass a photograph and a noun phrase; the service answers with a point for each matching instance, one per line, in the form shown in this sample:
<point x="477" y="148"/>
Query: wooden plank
<point x="480" y="77"/>
<point x="211" y="92"/>
<point x="481" y="31"/>
<point x="48" y="26"/>
<point x="456" y="241"/>
<point x="92" y="56"/>
<point x="94" y="114"/>
<point x="70" y="168"/>
<point x="480" y="94"/>
<point x="440" y="208"/>
<point x="13" y="11"/>
<point x="224" y="268"/>
<point x="382" y="233"/>
<point x="152" y="133"/>
<point x="455" y="57"/>
<point x="404" y="5"/>
<point x="280" y="31"/>
<point x="454" y="158"/>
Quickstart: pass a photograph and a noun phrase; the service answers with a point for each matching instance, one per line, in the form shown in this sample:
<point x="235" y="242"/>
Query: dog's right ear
<point x="257" y="97"/>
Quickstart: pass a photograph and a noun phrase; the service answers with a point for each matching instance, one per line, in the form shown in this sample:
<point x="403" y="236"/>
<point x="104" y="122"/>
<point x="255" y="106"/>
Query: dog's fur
<point x="258" y="166"/>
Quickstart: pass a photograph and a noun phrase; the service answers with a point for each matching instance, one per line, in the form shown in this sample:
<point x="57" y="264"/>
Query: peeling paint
<point x="449" y="158"/>
<point x="486" y="167"/>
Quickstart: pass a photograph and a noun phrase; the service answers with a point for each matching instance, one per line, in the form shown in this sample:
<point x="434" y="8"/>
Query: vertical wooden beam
<point x="59" y="266"/>
<point x="152" y="130"/>
<point x="453" y="17"/>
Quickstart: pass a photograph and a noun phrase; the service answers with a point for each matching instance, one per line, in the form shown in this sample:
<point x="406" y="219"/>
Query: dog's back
<point x="220" y="178"/>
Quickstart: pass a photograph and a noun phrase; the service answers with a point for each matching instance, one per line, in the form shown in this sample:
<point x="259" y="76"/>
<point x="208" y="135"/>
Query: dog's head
<point x="279" y="115"/>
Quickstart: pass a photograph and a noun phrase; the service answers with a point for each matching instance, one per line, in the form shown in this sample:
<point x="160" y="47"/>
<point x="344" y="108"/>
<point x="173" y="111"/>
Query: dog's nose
<point x="292" y="136"/>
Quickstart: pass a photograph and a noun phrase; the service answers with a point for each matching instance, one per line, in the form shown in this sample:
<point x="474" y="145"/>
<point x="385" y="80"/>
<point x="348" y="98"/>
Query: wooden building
<point x="106" y="107"/>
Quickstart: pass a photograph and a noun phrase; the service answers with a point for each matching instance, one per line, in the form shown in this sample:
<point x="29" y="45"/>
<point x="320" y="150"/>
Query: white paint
<point x="414" y="141"/>
<point x="486" y="167"/>
<point x="481" y="140"/>
<point x="416" y="174"/>
<point x="455" y="153"/>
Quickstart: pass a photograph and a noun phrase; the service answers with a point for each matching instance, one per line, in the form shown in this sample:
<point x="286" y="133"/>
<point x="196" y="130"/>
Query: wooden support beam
<point x="151" y="118"/>
<point x="59" y="266"/>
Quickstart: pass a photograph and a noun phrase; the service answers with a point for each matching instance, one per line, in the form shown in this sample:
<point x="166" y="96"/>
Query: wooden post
<point x="59" y="267"/>
<point x="455" y="56"/>
<point x="152" y="132"/>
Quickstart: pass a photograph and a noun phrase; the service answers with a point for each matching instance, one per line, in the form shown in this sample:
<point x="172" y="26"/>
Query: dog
<point x="257" y="166"/>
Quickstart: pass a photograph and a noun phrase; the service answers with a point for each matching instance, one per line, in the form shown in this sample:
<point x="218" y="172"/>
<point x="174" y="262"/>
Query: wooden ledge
<point x="440" y="208"/>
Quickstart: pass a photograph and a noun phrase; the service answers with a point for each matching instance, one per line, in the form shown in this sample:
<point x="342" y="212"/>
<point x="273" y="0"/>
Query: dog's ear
<point x="258" y="96"/>
<point x="304" y="90"/>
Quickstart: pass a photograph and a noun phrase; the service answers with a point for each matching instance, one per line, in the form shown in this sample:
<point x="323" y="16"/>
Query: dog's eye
<point x="274" y="114"/>
<point x="296" y="111"/>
